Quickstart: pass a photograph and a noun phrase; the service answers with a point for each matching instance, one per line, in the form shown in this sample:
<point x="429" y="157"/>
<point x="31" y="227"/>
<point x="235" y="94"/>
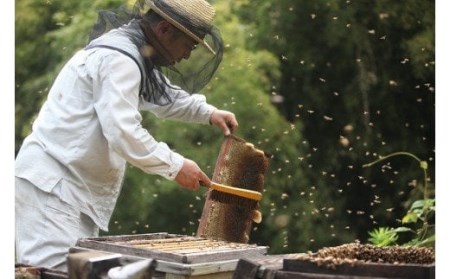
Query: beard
<point x="159" y="60"/>
<point x="155" y="50"/>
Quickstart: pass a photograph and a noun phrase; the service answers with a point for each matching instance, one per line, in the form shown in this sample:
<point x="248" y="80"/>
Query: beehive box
<point x="305" y="269"/>
<point x="348" y="261"/>
<point x="173" y="248"/>
<point x="356" y="259"/>
<point x="265" y="267"/>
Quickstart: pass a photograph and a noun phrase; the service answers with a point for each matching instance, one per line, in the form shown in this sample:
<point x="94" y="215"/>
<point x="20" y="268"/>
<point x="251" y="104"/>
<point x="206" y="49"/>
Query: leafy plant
<point x="383" y="236"/>
<point x="420" y="214"/>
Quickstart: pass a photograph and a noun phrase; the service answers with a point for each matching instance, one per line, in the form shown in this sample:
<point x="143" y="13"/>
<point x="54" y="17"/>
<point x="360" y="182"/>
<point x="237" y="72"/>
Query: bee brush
<point x="233" y="195"/>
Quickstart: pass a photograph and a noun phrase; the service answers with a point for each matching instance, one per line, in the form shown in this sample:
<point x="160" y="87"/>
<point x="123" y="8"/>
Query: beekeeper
<point x="70" y="168"/>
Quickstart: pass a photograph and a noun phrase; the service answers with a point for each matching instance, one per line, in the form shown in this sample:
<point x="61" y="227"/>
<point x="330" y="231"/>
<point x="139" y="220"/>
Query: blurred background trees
<point x="324" y="87"/>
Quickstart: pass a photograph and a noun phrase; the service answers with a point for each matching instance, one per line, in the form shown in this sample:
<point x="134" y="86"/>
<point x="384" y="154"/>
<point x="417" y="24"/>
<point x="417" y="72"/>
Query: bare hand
<point x="191" y="176"/>
<point x="224" y="120"/>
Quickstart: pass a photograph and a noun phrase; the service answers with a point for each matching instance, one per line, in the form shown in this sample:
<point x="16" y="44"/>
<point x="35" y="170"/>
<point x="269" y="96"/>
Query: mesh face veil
<point x="193" y="18"/>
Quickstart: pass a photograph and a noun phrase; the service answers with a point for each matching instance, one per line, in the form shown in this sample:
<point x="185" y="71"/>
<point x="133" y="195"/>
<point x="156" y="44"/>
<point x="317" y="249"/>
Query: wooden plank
<point x="143" y="240"/>
<point x="255" y="252"/>
<point x="129" y="250"/>
<point x="262" y="267"/>
<point x="28" y="271"/>
<point x="186" y="246"/>
<point x="197" y="269"/>
<point x="117" y="238"/>
<point x="174" y="244"/>
<point x="220" y="275"/>
<point x="300" y="275"/>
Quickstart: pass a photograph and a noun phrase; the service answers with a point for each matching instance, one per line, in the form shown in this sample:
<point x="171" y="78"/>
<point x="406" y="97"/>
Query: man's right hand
<point x="191" y="176"/>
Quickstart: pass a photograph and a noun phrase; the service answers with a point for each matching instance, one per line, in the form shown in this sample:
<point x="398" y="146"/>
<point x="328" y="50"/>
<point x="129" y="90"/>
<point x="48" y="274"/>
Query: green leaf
<point x="383" y="236"/>
<point x="427" y="241"/>
<point x="410" y="217"/>
<point x="418" y="204"/>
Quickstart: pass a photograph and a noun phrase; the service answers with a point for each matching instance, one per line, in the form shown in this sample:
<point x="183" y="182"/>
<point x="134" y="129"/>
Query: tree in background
<point x="47" y="34"/>
<point x="359" y="76"/>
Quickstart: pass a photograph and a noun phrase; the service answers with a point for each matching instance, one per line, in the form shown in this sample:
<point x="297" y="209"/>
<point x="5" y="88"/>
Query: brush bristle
<point x="232" y="199"/>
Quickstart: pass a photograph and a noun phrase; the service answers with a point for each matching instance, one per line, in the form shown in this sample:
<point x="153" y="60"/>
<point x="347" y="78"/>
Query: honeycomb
<point x="241" y="165"/>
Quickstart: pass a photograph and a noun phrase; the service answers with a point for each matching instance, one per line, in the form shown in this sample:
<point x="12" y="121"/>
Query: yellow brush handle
<point x="249" y="194"/>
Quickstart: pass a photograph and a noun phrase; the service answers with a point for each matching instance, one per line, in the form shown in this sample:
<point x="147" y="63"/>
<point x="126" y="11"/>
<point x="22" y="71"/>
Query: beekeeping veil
<point x="192" y="17"/>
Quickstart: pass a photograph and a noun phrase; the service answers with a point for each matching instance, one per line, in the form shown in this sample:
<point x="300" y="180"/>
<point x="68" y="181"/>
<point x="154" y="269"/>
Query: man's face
<point x="178" y="46"/>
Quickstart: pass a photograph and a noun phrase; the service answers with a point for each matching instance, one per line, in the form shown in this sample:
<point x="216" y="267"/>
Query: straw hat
<point x="193" y="17"/>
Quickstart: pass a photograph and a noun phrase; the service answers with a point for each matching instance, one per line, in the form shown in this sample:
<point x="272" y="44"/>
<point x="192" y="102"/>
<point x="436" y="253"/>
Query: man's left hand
<point x="224" y="120"/>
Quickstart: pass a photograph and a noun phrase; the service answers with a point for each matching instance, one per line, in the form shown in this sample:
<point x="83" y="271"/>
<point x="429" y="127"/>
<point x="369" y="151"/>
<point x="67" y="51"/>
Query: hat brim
<point x="181" y="27"/>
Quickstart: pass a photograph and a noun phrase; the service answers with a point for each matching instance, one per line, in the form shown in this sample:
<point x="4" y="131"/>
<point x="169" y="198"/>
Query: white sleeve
<point x="184" y="106"/>
<point x="116" y="97"/>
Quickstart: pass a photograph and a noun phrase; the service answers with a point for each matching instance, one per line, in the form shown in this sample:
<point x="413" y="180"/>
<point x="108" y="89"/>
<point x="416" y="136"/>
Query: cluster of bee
<point x="354" y="253"/>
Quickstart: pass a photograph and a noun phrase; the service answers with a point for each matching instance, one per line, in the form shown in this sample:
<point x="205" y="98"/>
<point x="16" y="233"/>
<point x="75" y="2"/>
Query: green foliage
<point x="359" y="75"/>
<point x="383" y="236"/>
<point x="420" y="215"/>
<point x="47" y="33"/>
